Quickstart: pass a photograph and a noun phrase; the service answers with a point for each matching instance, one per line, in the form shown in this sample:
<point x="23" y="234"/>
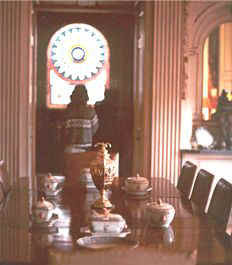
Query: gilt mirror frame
<point x="199" y="26"/>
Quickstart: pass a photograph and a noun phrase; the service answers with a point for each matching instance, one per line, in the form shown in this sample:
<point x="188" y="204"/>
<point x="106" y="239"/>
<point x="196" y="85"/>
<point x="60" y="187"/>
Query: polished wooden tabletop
<point x="190" y="239"/>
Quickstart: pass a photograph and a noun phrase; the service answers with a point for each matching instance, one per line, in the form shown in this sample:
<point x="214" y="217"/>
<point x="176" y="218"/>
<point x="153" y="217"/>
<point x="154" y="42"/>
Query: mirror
<point x="217" y="68"/>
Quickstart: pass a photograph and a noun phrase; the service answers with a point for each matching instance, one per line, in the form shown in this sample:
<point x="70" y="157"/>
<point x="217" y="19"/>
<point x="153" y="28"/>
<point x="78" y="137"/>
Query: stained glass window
<point x="77" y="54"/>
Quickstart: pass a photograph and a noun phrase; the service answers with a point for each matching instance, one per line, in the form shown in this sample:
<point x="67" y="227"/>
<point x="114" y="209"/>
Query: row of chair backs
<point x="197" y="187"/>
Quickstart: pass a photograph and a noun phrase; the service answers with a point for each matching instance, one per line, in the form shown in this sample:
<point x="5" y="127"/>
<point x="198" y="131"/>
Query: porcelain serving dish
<point x="136" y="184"/>
<point x="96" y="242"/>
<point x="112" y="223"/>
<point x="160" y="214"/>
<point x="103" y="242"/>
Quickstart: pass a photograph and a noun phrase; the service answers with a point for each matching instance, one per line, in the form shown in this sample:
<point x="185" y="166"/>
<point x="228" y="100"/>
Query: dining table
<point x="191" y="238"/>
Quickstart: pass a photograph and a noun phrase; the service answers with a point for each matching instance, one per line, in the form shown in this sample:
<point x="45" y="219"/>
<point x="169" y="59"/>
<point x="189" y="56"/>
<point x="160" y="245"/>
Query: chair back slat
<point x="221" y="203"/>
<point x="187" y="178"/>
<point x="201" y="189"/>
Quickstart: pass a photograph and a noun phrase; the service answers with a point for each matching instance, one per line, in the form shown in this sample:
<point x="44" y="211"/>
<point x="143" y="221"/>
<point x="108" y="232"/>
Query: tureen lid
<point x="111" y="217"/>
<point x="137" y="179"/>
<point x="160" y="206"/>
<point x="42" y="203"/>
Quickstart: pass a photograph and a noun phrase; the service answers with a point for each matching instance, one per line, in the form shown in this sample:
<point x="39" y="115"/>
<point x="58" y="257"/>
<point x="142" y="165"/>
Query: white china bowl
<point x="136" y="184"/>
<point x="160" y="214"/>
<point x="50" y="183"/>
<point x="42" y="212"/>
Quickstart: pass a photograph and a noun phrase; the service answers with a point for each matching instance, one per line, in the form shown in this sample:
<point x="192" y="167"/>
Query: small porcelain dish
<point x="99" y="242"/>
<point x="42" y="211"/>
<point x="105" y="242"/>
<point x="160" y="214"/>
<point x="136" y="184"/>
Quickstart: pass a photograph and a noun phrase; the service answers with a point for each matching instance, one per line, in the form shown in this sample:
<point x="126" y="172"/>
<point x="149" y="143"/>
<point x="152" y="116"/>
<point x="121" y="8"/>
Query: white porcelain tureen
<point x="42" y="211"/>
<point x="136" y="184"/>
<point x="160" y="214"/>
<point x="111" y="223"/>
<point x="50" y="183"/>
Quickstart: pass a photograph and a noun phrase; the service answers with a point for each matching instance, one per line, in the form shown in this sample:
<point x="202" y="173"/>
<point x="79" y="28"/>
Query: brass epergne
<point x="103" y="173"/>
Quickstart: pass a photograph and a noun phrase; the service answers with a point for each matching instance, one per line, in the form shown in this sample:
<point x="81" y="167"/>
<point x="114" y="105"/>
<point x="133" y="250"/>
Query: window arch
<point x="77" y="54"/>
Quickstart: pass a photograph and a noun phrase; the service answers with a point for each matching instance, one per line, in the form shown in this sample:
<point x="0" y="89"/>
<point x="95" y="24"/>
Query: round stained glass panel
<point x="78" y="52"/>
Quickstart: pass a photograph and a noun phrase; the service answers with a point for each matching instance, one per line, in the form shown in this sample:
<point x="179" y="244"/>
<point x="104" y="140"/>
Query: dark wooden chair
<point x="187" y="178"/>
<point x="221" y="203"/>
<point x="201" y="190"/>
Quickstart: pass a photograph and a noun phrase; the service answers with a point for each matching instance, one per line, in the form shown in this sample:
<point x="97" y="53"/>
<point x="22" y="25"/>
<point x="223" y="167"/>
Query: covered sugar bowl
<point x="42" y="211"/>
<point x="160" y="214"/>
<point x="136" y="184"/>
<point x="50" y="183"/>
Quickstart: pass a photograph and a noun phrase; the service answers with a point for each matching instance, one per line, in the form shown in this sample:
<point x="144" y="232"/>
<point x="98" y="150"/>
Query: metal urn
<point x="103" y="170"/>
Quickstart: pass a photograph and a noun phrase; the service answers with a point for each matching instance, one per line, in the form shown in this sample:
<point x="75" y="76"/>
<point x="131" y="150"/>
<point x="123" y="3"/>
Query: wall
<point x="16" y="87"/>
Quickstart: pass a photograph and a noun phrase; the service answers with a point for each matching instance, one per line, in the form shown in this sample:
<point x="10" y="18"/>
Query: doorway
<point x="118" y="29"/>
